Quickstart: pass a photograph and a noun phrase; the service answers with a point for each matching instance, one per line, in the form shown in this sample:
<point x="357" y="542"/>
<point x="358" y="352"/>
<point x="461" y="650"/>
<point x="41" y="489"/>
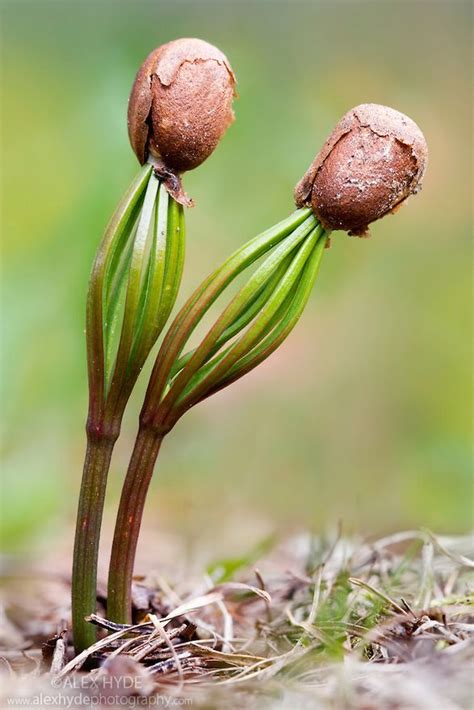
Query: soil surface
<point x="316" y="622"/>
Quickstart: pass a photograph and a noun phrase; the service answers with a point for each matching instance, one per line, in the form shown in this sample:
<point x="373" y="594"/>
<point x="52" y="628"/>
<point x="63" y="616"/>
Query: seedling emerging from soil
<point x="374" y="159"/>
<point x="180" y="106"/>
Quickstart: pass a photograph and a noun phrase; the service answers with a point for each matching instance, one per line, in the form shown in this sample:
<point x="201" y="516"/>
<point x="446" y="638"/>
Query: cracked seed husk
<point x="373" y="160"/>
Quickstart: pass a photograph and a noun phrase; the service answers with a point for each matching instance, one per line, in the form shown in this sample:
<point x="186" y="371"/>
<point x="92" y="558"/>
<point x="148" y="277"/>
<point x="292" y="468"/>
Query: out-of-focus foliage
<point x="364" y="414"/>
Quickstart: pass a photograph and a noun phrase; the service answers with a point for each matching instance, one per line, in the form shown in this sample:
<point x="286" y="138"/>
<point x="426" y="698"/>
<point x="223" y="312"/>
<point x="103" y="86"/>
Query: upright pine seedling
<point x="180" y="106"/>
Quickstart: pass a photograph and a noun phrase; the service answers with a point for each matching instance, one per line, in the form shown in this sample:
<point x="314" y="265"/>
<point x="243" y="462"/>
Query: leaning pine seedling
<point x="179" y="108"/>
<point x="374" y="159"/>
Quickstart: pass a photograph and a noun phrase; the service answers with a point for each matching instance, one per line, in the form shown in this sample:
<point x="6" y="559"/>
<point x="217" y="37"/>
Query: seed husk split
<point x="373" y="160"/>
<point x="179" y="108"/>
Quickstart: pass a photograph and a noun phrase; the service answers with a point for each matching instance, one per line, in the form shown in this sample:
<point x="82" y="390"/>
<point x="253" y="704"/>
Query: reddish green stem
<point x="86" y="546"/>
<point x="127" y="527"/>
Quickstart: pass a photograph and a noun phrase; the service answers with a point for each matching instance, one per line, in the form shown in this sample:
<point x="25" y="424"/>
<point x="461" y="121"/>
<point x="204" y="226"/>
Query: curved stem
<point x="86" y="545"/>
<point x="248" y="312"/>
<point x="128" y="524"/>
<point x="245" y="296"/>
<point x="254" y="333"/>
<point x="282" y="329"/>
<point x="202" y="299"/>
<point x="294" y="261"/>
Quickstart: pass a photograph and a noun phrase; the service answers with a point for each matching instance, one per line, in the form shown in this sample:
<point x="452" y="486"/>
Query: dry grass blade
<point x="151" y="644"/>
<point x="193" y="605"/>
<point x="80" y="659"/>
<point x="159" y="627"/>
<point x="241" y="587"/>
<point x="364" y="585"/>
<point x="233" y="659"/>
<point x="308" y="627"/>
<point x="59" y="655"/>
<point x="458" y="559"/>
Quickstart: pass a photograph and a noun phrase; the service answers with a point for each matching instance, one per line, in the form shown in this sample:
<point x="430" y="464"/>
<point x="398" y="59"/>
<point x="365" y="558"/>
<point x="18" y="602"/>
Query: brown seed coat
<point x="180" y="106"/>
<point x="373" y="160"/>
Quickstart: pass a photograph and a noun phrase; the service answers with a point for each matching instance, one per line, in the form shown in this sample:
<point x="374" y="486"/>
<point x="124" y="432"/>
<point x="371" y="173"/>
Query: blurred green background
<point x="364" y="415"/>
